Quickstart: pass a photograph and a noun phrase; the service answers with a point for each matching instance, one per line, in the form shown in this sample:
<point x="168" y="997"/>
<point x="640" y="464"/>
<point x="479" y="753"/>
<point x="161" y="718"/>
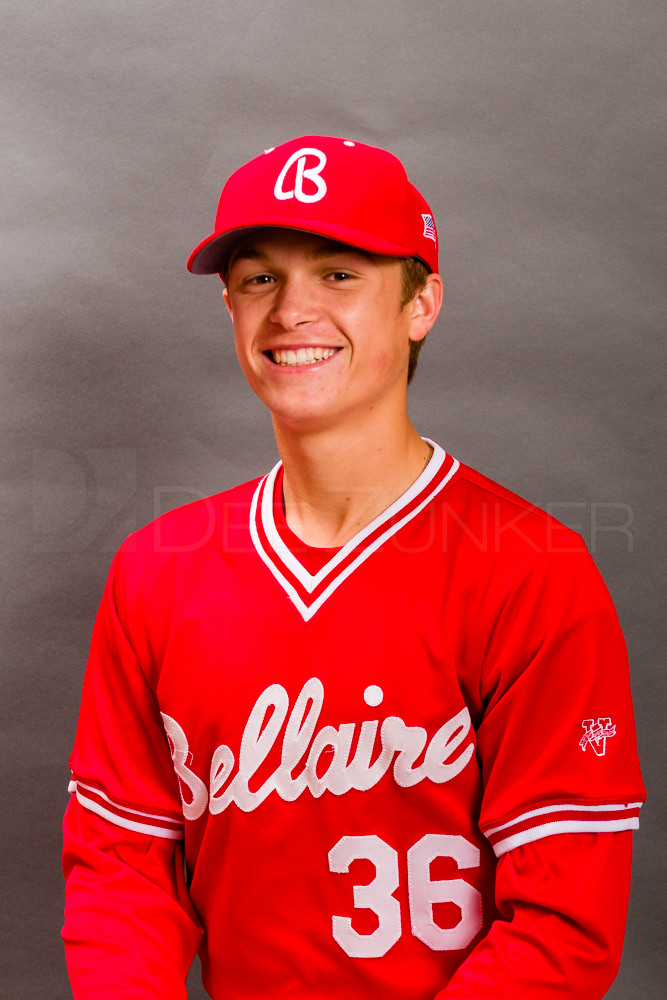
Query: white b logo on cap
<point x="311" y="174"/>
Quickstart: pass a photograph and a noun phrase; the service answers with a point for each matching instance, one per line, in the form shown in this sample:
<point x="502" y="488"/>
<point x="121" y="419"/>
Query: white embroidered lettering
<point x="362" y="775"/>
<point x="338" y="775"/>
<point x="298" y="734"/>
<point x="409" y="741"/>
<point x="338" y="740"/>
<point x="447" y="739"/>
<point x="327" y="753"/>
<point x="222" y="765"/>
<point x="180" y="751"/>
<point x="596" y="735"/>
<point x="302" y="172"/>
<point x="258" y="738"/>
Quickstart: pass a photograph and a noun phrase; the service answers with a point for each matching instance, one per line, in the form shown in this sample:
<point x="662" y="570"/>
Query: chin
<point x="304" y="423"/>
<point x="300" y="413"/>
<point x="306" y="418"/>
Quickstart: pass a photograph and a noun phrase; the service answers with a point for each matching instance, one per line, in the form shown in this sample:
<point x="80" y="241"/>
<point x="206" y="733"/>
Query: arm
<point x="564" y="903"/>
<point x="557" y="808"/>
<point x="130" y="928"/>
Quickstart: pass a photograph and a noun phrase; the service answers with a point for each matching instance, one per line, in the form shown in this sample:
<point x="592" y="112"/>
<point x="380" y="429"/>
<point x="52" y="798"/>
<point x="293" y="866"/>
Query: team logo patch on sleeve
<point x="597" y="732"/>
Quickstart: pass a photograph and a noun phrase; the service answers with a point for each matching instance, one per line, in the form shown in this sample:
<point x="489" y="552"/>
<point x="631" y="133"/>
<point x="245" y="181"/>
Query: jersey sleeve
<point x="121" y="765"/>
<point x="556" y="740"/>
<point x="564" y="903"/>
<point x="130" y="929"/>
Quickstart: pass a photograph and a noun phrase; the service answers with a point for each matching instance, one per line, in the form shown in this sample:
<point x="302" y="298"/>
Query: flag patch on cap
<point x="429" y="227"/>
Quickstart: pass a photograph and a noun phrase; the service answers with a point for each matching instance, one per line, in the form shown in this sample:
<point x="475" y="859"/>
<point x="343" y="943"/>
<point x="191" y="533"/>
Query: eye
<point x="258" y="279"/>
<point x="336" y="276"/>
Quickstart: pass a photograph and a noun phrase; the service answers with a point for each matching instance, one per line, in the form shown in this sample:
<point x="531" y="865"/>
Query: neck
<point x="337" y="482"/>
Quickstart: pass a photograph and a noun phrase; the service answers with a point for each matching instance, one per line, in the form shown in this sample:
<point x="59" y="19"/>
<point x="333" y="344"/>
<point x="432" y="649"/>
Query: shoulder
<point x="179" y="561"/>
<point x="532" y="565"/>
<point x="195" y="523"/>
<point x="503" y="522"/>
<point x="181" y="541"/>
<point x="503" y="544"/>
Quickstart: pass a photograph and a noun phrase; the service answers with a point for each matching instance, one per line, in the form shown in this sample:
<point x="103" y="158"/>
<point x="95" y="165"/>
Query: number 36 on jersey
<point x="423" y="893"/>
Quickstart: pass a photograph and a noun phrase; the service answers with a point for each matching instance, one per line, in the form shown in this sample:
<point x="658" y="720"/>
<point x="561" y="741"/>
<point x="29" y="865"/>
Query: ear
<point x="425" y="307"/>
<point x="228" y="303"/>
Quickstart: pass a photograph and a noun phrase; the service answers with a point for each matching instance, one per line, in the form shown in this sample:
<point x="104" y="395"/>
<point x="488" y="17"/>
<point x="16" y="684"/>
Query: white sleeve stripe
<point x="74" y="786"/>
<point x="564" y="826"/>
<point x="120" y="810"/>
<point x="127" y="824"/>
<point x="567" y="807"/>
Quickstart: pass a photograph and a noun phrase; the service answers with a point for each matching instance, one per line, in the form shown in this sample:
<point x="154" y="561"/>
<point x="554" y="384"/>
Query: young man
<point x="377" y="703"/>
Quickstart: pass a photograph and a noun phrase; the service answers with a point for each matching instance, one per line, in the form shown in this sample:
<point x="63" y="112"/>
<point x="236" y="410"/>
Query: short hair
<point x="413" y="278"/>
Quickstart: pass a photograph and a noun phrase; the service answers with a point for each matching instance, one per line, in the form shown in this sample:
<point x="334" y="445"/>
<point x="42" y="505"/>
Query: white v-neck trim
<point x="284" y="560"/>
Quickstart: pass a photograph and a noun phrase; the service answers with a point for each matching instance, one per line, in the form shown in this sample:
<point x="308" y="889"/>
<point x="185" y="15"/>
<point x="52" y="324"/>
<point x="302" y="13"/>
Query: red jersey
<point x="347" y="750"/>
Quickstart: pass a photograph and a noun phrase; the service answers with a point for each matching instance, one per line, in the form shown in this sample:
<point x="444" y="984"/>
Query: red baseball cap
<point x="350" y="192"/>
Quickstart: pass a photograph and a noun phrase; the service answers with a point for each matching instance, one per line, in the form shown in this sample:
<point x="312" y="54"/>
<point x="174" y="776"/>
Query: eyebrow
<point x="324" y="249"/>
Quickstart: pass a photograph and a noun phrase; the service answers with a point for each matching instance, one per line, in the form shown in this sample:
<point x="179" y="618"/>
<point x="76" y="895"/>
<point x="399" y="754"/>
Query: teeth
<point x="303" y="356"/>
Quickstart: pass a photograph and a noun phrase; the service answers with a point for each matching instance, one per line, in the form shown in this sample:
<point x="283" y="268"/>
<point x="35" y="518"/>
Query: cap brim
<point x="209" y="257"/>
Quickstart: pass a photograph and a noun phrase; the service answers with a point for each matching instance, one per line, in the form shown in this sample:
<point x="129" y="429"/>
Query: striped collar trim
<point x="307" y="591"/>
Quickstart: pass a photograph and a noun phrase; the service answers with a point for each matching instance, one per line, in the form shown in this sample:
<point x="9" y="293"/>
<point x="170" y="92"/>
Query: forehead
<point x="264" y="243"/>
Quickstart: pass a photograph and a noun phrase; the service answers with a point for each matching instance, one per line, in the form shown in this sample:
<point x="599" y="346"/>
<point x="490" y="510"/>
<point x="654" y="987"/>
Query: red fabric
<point x="131" y="931"/>
<point x="348" y="191"/>
<point x="564" y="900"/>
<point x="415" y="711"/>
<point x="130" y="928"/>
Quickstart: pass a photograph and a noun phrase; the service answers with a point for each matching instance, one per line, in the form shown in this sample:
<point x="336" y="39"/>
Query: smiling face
<point x="320" y="332"/>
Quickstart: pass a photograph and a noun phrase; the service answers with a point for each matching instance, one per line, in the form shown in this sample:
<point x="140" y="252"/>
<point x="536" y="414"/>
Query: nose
<point x="294" y="303"/>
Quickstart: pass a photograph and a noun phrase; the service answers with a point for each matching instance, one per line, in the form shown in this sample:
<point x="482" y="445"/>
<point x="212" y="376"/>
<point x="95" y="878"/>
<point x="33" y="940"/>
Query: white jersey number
<point x="423" y="892"/>
<point x="376" y="896"/>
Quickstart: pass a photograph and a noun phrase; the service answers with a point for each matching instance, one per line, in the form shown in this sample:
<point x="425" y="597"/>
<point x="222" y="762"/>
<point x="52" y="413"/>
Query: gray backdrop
<point x="533" y="126"/>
